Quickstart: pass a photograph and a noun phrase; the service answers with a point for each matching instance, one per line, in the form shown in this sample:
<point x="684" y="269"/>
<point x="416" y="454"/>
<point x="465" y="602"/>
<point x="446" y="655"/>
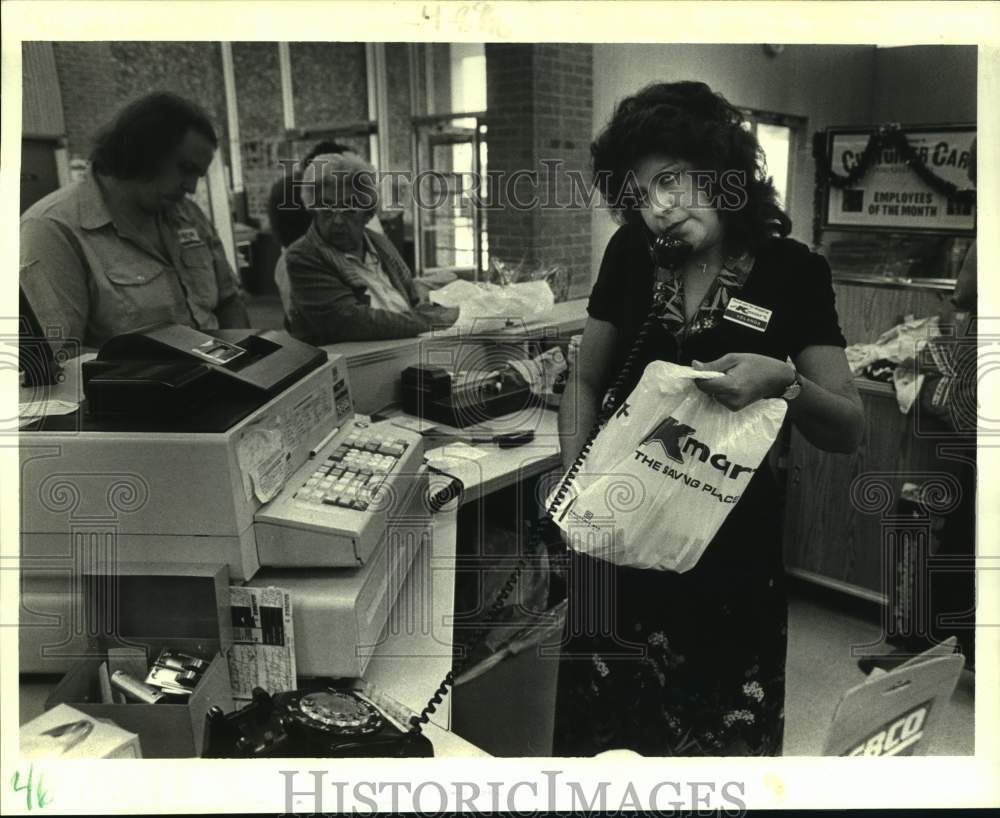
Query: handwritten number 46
<point x="35" y="794"/>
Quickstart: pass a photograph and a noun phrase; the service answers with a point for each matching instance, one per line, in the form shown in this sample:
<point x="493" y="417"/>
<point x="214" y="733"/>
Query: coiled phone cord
<point x="668" y="254"/>
<point x="438" y="500"/>
<point x="441" y="498"/>
<point x="417" y="722"/>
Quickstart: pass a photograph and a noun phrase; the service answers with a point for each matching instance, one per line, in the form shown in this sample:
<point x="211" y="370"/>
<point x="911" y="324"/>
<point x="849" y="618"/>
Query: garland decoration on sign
<point x="891" y="136"/>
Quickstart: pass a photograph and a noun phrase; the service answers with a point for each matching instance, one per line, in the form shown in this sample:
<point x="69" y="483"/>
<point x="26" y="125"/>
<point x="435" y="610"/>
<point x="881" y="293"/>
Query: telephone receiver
<point x="669" y="253"/>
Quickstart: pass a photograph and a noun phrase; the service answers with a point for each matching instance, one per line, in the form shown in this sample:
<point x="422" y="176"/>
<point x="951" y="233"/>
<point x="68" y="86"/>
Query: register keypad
<point x="352" y="472"/>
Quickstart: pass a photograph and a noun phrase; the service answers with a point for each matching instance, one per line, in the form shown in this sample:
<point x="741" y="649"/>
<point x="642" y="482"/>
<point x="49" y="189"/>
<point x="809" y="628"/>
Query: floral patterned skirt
<point x="670" y="664"/>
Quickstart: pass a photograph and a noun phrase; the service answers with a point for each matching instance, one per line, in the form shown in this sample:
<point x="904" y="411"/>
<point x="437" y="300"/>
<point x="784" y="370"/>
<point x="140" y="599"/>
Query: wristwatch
<point x="793" y="389"/>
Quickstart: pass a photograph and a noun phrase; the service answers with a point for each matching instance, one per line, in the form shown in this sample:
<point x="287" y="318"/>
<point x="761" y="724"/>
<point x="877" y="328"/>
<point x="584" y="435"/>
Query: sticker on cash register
<point x="746" y="314"/>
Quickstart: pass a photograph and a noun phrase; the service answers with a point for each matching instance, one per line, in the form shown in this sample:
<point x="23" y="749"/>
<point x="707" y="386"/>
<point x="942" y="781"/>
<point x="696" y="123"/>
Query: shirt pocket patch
<point x="140" y="294"/>
<point x="133" y="275"/>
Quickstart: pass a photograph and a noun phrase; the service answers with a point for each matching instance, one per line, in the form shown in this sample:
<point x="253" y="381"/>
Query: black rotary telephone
<point x="326" y="721"/>
<point x="330" y="720"/>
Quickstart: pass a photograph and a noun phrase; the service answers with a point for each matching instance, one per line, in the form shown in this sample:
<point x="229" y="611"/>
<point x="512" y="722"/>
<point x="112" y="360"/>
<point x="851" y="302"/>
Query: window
<point x="450" y="226"/>
<point x="779" y="136"/>
<point x="452" y="141"/>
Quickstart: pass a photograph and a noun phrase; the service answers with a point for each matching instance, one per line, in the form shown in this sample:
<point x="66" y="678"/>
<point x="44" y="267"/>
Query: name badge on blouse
<point x="188" y="237"/>
<point x="747" y="315"/>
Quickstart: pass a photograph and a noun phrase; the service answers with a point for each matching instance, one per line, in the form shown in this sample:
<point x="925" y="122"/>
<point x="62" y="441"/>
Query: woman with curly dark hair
<point x="694" y="664"/>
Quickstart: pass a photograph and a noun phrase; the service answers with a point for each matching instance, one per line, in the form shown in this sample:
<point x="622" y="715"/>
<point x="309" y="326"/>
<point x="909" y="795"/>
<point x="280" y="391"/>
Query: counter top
<point x="566" y="317"/>
<point x="499" y="468"/>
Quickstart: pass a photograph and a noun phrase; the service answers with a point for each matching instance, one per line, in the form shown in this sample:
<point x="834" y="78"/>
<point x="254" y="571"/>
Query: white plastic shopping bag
<point x="488" y="307"/>
<point x="664" y="472"/>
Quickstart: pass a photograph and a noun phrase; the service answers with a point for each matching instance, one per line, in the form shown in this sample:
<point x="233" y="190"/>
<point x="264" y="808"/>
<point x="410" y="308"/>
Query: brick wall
<point x="97" y="79"/>
<point x="329" y="83"/>
<point x="397" y="61"/>
<point x="193" y="70"/>
<point x="440" y="80"/>
<point x="87" y="83"/>
<point x="510" y="119"/>
<point x="540" y="119"/>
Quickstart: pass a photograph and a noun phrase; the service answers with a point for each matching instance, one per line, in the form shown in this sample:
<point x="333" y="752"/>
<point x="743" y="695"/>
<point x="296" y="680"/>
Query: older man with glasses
<point x="347" y="282"/>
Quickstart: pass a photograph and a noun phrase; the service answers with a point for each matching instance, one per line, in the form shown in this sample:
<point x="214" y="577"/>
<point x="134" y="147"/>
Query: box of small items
<point x="159" y="636"/>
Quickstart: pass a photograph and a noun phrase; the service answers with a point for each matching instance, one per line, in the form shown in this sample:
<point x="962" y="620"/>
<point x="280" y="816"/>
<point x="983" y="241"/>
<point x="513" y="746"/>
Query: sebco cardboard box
<point x="897" y="713"/>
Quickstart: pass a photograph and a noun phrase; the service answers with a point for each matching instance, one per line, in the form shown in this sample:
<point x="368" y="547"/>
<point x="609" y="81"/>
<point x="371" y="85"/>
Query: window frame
<point x="797" y="129"/>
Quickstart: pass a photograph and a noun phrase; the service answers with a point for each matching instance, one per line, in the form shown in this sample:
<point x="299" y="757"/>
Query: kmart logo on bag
<point x="677" y="442"/>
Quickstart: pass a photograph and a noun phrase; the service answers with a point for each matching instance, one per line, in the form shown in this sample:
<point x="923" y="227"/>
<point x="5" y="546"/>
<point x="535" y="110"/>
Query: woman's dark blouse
<point x="786" y="278"/>
<point x="710" y="677"/>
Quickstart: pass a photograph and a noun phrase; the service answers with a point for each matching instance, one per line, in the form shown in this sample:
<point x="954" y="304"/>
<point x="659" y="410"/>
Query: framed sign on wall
<point x="897" y="178"/>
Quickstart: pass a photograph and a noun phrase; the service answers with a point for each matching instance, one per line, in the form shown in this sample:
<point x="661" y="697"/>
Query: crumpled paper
<point x="897" y="344"/>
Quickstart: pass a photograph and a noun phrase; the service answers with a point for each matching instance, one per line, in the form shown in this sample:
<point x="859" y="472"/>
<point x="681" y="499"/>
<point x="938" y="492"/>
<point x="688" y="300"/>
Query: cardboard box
<point x="65" y="732"/>
<point x="151" y="607"/>
<point x="897" y="713"/>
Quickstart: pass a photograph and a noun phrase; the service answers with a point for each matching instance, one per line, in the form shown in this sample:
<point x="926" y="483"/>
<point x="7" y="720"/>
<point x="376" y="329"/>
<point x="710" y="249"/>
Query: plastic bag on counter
<point x="900" y="343"/>
<point x="664" y="472"/>
<point x="435" y="280"/>
<point x="490" y="307"/>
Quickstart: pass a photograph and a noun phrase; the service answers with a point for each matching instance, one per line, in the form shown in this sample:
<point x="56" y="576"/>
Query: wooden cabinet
<point x="839" y="513"/>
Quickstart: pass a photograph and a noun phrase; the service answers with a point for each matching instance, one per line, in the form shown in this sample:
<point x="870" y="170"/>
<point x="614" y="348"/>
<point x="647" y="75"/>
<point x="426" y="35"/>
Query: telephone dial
<point x="326" y="722"/>
<point x="331" y="721"/>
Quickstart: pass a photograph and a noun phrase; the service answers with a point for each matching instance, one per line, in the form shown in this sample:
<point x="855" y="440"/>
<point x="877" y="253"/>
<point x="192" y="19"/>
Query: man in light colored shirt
<point x="124" y="247"/>
<point x="347" y="282"/>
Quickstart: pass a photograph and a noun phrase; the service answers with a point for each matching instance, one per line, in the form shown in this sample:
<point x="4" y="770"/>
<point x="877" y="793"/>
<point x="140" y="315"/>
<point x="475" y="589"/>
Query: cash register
<point x="236" y="446"/>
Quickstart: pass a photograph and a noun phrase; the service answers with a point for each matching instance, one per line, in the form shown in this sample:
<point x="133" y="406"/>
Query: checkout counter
<point x="375" y="366"/>
<point x="372" y="587"/>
